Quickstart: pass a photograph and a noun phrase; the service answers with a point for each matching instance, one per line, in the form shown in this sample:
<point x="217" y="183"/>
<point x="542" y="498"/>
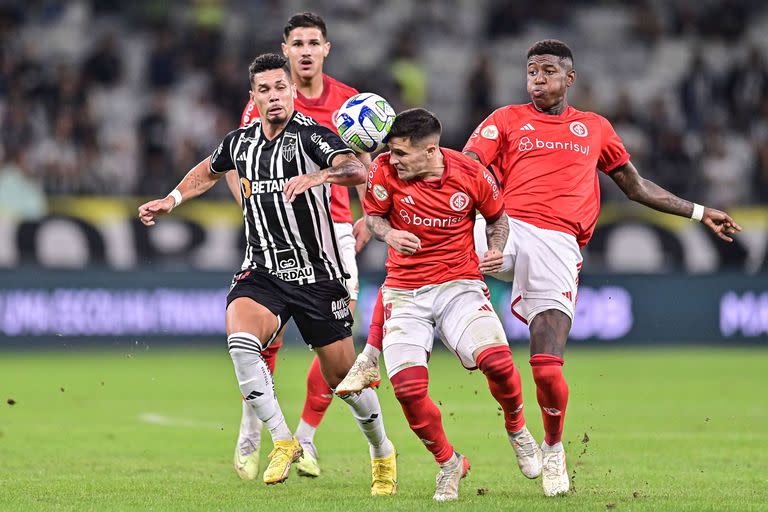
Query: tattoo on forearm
<point x="497" y="233"/>
<point x="378" y="226"/>
<point x="346" y="169"/>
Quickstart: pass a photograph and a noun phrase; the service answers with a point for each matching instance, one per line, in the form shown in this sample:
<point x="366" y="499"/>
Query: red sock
<point x="376" y="331"/>
<point x="504" y="382"/>
<point x="319" y="395"/>
<point x="552" y="394"/>
<point x="421" y="412"/>
<point x="270" y="355"/>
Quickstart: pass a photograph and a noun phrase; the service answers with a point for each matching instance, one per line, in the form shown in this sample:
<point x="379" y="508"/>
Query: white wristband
<point x="698" y="212"/>
<point x="176" y="195"/>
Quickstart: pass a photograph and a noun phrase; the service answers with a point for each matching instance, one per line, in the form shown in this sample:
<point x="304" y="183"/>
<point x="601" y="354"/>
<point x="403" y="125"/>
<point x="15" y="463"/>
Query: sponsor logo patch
<point x="380" y="192"/>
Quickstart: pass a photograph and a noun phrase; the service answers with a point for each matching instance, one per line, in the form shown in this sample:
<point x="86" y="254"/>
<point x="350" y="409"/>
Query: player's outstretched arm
<point x="345" y="170"/>
<point x="496" y="234"/>
<point x="646" y="192"/>
<point x="402" y="241"/>
<point x="196" y="182"/>
<point x="234" y="186"/>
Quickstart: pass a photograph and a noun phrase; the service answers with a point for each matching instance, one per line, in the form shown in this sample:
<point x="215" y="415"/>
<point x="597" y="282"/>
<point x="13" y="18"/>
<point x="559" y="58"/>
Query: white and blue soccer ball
<point x="364" y="121"/>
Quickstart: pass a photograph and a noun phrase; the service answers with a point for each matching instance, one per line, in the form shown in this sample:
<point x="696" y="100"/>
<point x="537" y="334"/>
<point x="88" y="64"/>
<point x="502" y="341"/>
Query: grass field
<point x="647" y="429"/>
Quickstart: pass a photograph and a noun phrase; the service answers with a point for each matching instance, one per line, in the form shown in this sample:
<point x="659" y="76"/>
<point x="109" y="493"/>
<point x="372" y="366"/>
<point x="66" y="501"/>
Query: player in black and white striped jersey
<point x="292" y="266"/>
<point x="291" y="240"/>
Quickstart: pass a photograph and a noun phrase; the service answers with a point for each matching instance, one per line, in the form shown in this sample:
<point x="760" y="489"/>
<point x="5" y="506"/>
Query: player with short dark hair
<point x="292" y="266"/>
<point x="319" y="96"/>
<point x="547" y="154"/>
<point x="421" y="200"/>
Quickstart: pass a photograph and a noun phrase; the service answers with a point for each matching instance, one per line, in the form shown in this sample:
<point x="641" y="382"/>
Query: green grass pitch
<point x="647" y="429"/>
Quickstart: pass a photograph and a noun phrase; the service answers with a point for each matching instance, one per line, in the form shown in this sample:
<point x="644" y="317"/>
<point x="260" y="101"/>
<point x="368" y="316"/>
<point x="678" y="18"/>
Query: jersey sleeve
<point x="221" y="158"/>
<point x="322" y="145"/>
<point x="487" y="139"/>
<point x="612" y="150"/>
<point x="250" y="114"/>
<point x="489" y="200"/>
<point x="378" y="199"/>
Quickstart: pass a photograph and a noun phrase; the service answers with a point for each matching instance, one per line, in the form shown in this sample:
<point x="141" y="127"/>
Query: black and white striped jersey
<point x="293" y="241"/>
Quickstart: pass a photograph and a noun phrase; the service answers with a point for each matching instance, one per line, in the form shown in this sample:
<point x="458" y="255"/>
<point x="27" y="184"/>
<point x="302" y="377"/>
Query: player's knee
<point x="547" y="369"/>
<point x="496" y="362"/>
<point x="549" y="332"/>
<point x="410" y="384"/>
<point x="483" y="331"/>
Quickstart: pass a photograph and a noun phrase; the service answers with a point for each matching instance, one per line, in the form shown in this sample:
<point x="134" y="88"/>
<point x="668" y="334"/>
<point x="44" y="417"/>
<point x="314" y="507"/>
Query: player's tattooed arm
<point x="496" y="234"/>
<point x="345" y="170"/>
<point x="198" y="180"/>
<point x="648" y="193"/>
<point x="402" y="241"/>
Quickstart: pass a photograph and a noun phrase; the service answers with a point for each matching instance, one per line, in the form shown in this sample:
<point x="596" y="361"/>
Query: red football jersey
<point x="440" y="212"/>
<point x="548" y="164"/>
<point x="321" y="110"/>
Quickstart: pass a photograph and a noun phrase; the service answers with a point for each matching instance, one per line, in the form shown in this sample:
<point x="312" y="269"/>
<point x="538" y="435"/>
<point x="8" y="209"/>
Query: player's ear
<point x="326" y="48"/>
<point x="570" y="77"/>
<point x="284" y="47"/>
<point x="293" y="91"/>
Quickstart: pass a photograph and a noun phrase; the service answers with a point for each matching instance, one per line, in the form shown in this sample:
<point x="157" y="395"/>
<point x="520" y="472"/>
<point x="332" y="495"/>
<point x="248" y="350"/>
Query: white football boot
<point x="554" y="473"/>
<point x="363" y="374"/>
<point x="447" y="481"/>
<point x="528" y="452"/>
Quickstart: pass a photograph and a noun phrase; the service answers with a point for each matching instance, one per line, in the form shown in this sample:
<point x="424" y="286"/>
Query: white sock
<point x="557" y="447"/>
<point x="249" y="438"/>
<point x="305" y="431"/>
<point x="367" y="411"/>
<point x="372" y="353"/>
<point x="256" y="383"/>
<point x="450" y="463"/>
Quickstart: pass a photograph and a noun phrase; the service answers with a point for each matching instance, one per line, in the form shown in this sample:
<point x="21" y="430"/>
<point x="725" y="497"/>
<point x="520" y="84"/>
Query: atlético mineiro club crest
<point x="289" y="146"/>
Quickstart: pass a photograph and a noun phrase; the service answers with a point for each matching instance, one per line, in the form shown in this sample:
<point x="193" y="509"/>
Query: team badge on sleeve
<point x="380" y="192"/>
<point x="490" y="132"/>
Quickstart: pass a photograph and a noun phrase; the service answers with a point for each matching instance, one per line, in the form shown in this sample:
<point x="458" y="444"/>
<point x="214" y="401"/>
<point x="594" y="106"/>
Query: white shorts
<point x="460" y="310"/>
<point x="347" y="249"/>
<point x="542" y="264"/>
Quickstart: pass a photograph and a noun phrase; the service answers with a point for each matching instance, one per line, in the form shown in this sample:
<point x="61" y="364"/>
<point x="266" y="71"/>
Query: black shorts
<point x="320" y="310"/>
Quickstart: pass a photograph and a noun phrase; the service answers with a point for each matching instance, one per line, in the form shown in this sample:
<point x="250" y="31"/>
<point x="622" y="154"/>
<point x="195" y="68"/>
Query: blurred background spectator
<point x="123" y="99"/>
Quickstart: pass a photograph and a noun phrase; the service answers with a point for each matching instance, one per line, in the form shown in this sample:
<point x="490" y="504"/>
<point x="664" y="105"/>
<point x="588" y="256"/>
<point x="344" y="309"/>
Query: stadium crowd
<point x="122" y="98"/>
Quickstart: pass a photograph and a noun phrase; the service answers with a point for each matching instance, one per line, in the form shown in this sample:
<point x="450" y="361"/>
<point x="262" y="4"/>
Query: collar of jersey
<point x="269" y="141"/>
<point x="567" y="112"/>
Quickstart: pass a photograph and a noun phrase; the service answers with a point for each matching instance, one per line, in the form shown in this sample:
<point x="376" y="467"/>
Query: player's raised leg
<point x="335" y="361"/>
<point x="365" y="370"/>
<point x="248" y="323"/>
<point x="549" y="332"/>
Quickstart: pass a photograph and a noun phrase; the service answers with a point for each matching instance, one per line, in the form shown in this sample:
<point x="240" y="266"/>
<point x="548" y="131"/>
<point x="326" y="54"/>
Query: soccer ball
<point x="363" y="122"/>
